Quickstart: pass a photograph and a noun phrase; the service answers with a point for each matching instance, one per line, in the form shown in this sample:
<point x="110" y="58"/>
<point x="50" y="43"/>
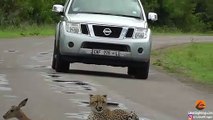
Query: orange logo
<point x="200" y="104"/>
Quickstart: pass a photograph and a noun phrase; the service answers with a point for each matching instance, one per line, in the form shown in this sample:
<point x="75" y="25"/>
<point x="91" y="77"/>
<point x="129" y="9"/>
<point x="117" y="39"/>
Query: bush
<point x="183" y="15"/>
<point x="16" y="12"/>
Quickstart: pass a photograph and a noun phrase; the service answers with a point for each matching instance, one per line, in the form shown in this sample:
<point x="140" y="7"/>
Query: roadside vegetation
<point x="193" y="60"/>
<point x="175" y="16"/>
<point x="25" y="31"/>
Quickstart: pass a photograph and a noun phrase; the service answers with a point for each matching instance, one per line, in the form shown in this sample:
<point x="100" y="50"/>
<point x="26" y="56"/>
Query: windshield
<point x="130" y="8"/>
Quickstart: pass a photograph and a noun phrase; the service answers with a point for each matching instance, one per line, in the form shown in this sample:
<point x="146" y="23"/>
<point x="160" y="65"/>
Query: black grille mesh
<point x="98" y="31"/>
<point x="129" y="32"/>
<point x="84" y="29"/>
<point x="105" y="46"/>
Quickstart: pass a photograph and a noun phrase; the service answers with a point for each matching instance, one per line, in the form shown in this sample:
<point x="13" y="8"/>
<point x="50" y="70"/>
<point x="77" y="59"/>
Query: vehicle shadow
<point x="95" y="73"/>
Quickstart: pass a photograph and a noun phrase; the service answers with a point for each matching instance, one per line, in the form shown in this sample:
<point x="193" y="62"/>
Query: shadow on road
<point x="105" y="74"/>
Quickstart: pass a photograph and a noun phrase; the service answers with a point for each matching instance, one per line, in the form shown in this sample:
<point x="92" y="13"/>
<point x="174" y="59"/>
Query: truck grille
<point x="99" y="31"/>
<point x="84" y="29"/>
<point x="129" y="33"/>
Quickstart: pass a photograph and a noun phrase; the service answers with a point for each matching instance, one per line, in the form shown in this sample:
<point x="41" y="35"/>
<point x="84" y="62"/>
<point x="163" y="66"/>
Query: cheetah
<point x="100" y="111"/>
<point x="133" y="116"/>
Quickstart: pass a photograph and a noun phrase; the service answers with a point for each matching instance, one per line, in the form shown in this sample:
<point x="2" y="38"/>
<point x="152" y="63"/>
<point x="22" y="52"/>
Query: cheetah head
<point x="98" y="103"/>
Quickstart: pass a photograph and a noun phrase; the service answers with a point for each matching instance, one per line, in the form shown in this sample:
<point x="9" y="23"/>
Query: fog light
<point x="140" y="50"/>
<point x="70" y="44"/>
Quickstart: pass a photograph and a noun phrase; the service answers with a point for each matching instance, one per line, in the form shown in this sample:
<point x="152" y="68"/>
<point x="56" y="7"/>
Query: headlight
<point x="140" y="33"/>
<point x="73" y="27"/>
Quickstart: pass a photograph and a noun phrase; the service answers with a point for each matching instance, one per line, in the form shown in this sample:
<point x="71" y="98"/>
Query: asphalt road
<point x="25" y="73"/>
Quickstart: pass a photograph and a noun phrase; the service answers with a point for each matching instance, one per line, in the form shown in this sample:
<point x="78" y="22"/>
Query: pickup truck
<point x="103" y="32"/>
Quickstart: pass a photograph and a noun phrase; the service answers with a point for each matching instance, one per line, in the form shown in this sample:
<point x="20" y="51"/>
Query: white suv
<point x="103" y="32"/>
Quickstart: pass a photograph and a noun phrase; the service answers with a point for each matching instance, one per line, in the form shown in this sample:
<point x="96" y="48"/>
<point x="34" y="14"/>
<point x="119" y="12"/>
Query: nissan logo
<point x="107" y="31"/>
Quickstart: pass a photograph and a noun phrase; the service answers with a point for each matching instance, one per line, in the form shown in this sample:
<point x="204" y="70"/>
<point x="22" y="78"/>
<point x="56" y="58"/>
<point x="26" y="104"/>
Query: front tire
<point x="131" y="71"/>
<point x="60" y="64"/>
<point x="140" y="72"/>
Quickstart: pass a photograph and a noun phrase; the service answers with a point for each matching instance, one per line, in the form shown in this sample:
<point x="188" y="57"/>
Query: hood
<point x="107" y="20"/>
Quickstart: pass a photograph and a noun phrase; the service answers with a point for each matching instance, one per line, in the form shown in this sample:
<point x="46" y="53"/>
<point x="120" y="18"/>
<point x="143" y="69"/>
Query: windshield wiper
<point x="128" y="16"/>
<point x="111" y="14"/>
<point x="96" y="13"/>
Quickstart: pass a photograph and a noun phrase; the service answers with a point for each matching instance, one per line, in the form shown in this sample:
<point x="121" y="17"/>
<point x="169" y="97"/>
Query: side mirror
<point x="58" y="8"/>
<point x="152" y="16"/>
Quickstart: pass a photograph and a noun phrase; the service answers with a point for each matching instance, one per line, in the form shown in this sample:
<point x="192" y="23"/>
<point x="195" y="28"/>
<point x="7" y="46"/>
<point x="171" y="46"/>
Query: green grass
<point x="194" y="60"/>
<point x="34" y="30"/>
<point x="175" y="31"/>
<point x="48" y="30"/>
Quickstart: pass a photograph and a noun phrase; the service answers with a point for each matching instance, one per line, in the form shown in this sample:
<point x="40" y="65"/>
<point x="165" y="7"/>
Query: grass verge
<point x="194" y="60"/>
<point x="48" y="30"/>
<point x="24" y="31"/>
<point x="175" y="31"/>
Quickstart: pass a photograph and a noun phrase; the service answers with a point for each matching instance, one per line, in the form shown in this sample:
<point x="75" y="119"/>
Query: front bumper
<point x="102" y="60"/>
<point x="79" y="54"/>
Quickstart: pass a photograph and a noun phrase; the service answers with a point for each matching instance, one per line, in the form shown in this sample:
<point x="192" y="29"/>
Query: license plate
<point x="105" y="52"/>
